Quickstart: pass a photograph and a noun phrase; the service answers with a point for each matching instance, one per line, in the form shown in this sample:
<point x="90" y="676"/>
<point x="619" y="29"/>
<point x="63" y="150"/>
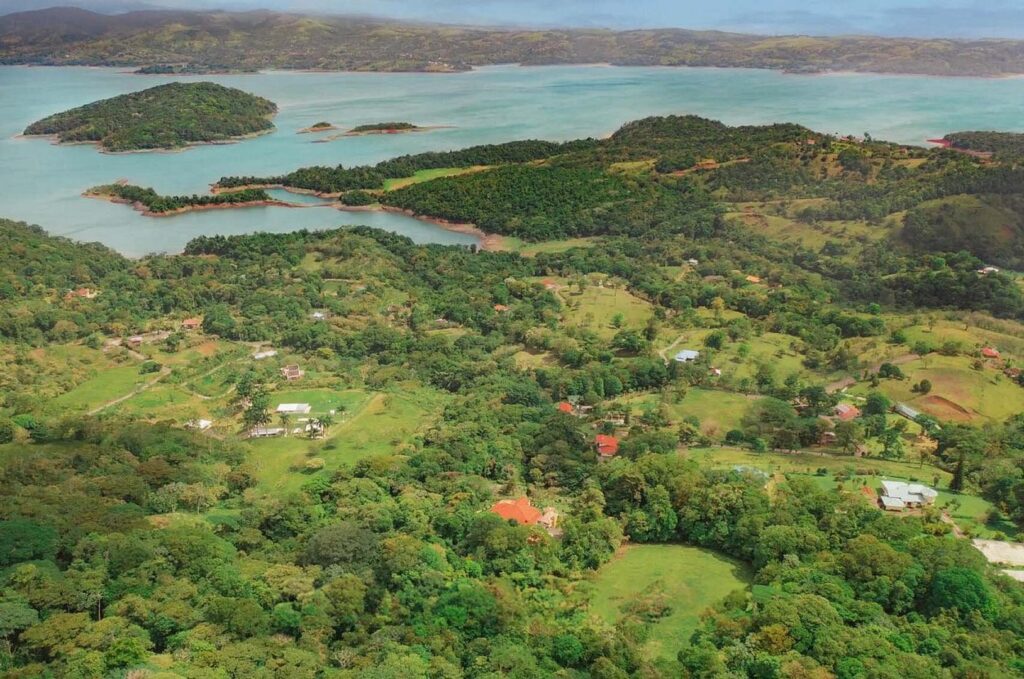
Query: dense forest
<point x="162" y="117"/>
<point x="260" y="40"/>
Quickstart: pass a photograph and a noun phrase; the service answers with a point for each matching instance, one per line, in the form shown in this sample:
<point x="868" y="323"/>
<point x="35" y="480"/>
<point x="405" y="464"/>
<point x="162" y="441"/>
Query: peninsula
<point x="171" y="116"/>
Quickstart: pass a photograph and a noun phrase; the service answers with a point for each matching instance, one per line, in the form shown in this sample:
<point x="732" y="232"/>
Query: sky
<point x="917" y="18"/>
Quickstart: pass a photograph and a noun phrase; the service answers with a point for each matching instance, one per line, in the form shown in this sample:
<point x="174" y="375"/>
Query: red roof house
<point x="607" y="446"/>
<point x="990" y="352"/>
<point x="500" y="308"/>
<point x="847" y="412"/>
<point x="191" y="323"/>
<point x="565" y="407"/>
<point x="520" y="511"/>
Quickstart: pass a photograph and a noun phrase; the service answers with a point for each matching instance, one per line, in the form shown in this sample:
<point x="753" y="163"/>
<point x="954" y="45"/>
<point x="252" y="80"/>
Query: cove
<point x="42" y="183"/>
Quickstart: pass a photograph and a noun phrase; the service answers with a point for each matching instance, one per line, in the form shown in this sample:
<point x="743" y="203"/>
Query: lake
<point x="42" y="183"/>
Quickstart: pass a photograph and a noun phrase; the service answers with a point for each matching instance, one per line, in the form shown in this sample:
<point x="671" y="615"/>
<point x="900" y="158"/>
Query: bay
<point x="42" y="183"/>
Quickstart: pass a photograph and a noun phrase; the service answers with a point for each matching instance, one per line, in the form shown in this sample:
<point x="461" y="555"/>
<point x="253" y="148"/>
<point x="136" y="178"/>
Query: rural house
<point x="687" y="355"/>
<point x="607" y="446"/>
<point x="990" y="352"/>
<point x="260" y="355"/>
<point x="525" y="514"/>
<point x="292" y="372"/>
<point x="897" y="495"/>
<point x="81" y="293"/>
<point x="191" y="323"/>
<point x="846" y="412"/>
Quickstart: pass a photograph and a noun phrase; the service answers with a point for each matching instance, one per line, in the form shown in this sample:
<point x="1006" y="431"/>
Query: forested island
<point x="171" y="116"/>
<point x="262" y="40"/>
<point x="150" y="203"/>
<point x="384" y="128"/>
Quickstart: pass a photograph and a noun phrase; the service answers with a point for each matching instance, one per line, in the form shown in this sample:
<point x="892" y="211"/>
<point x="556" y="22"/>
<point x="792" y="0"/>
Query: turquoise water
<point x="41" y="183"/>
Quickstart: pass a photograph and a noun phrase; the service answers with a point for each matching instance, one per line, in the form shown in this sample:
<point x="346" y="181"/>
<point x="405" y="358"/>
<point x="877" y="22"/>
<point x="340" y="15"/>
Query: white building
<point x="294" y="409"/>
<point x="201" y="425"/>
<point x="897" y="495"/>
<point x="687" y="355"/>
<point x="260" y="355"/>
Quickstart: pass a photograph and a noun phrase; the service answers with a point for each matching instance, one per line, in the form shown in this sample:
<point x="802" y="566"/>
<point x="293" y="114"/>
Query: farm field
<point x="959" y="392"/>
<point x="355" y="434"/>
<point x="718" y="411"/>
<point x="597" y="306"/>
<point x="690" y="580"/>
<point x="427" y="175"/>
<point x="108" y="384"/>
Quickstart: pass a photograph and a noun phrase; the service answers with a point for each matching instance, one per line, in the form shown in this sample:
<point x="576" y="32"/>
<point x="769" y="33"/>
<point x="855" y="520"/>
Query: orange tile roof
<point x="606" y="445"/>
<point x="565" y="407"/>
<point x="990" y="352"/>
<point x="847" y="412"/>
<point x="520" y="511"/>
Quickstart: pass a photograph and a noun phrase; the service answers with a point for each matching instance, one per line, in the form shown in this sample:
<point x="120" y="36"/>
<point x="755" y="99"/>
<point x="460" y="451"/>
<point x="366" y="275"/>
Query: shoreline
<point x="480" y="67"/>
<point x="217" y="190"/>
<point x="55" y="141"/>
<point x="489" y="242"/>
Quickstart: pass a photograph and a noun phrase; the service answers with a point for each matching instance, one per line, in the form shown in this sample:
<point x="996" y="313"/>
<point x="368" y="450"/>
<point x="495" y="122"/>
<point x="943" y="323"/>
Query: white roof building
<point x="687" y="355"/>
<point x="909" y="494"/>
<point x="260" y="355"/>
<point x="201" y="425"/>
<point x="294" y="409"/>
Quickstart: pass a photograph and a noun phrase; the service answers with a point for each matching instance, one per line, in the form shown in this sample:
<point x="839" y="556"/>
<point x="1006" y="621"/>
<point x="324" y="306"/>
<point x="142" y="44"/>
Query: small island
<point x="384" y="128"/>
<point x="165" y="117"/>
<point x="322" y="126"/>
<point x="151" y="204"/>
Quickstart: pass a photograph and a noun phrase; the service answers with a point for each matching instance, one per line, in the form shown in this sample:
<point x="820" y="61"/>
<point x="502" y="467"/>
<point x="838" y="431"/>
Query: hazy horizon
<point x="945" y="18"/>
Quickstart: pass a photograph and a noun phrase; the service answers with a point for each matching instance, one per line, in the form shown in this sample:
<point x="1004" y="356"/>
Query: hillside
<point x="646" y="438"/>
<point x="180" y="41"/>
<point x="168" y="116"/>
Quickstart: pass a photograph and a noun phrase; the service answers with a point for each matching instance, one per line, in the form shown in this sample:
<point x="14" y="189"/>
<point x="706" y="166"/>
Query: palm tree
<point x="286" y="421"/>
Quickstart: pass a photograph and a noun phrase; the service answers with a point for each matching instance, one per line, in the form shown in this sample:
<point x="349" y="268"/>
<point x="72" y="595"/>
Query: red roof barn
<point x="847" y="412"/>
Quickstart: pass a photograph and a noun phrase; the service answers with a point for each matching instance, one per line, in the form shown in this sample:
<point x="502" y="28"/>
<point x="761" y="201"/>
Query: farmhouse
<point x="501" y="308"/>
<point x="191" y="323"/>
<point x="897" y="495"/>
<point x="294" y="409"/>
<point x="260" y="355"/>
<point x="525" y="514"/>
<point x="753" y="279"/>
<point x="607" y="446"/>
<point x="846" y="412"/>
<point x="565" y="407"/>
<point x="687" y="355"/>
<point x="292" y="372"/>
<point x="199" y="425"/>
<point x="135" y="341"/>
<point x="986" y="270"/>
<point x="318" y="316"/>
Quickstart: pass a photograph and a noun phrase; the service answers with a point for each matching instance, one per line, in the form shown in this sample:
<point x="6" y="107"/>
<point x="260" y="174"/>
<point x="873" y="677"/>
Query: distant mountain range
<point x="183" y="41"/>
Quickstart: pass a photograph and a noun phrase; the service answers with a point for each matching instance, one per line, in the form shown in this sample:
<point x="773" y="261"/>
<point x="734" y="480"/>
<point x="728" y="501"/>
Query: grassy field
<point x="531" y="249"/>
<point x="373" y="424"/>
<point x="718" y="411"/>
<point x="690" y="579"/>
<point x="105" y="386"/>
<point x="427" y="175"/>
<point x="595" y="308"/>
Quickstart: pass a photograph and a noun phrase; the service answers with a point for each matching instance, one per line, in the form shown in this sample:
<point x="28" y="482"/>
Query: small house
<point x="846" y="412"/>
<point x="199" y="425"/>
<point x="260" y="355"/>
<point x="565" y="407"/>
<point x="897" y="495"/>
<point x="318" y="316"/>
<point x="990" y="352"/>
<point x="693" y="262"/>
<point x="687" y="356"/>
<point x="135" y="341"/>
<point x="986" y="270"/>
<point x="501" y="308"/>
<point x="607" y="446"/>
<point x="752" y="279"/>
<point x="292" y="373"/>
<point x="715" y="372"/>
<point x="294" y="409"/>
<point x="191" y="323"/>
